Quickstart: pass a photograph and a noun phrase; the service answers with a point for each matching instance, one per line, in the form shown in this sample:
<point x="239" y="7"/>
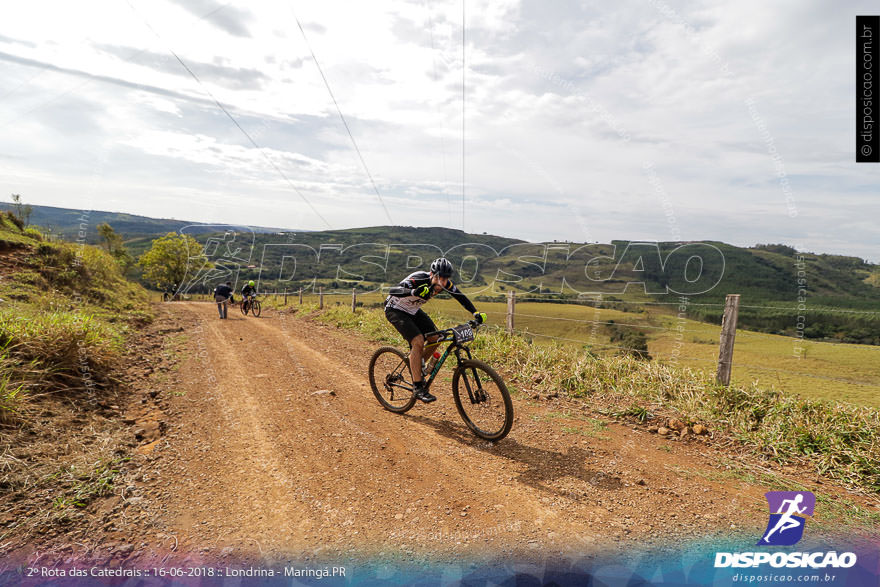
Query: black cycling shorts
<point x="410" y="325"/>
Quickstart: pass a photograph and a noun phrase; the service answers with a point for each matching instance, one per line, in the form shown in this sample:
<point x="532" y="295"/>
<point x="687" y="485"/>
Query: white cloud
<point x="565" y="104"/>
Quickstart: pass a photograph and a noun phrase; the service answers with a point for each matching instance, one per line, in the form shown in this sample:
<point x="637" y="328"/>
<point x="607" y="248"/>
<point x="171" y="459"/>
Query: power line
<point x="234" y="121"/>
<point x="699" y="304"/>
<point x="802" y="374"/>
<point x="344" y="123"/>
<point x="463" y="71"/>
<point x="808" y="309"/>
<point x="581" y="342"/>
<point x="600" y="322"/>
<point x="655" y="303"/>
<point x="812" y="309"/>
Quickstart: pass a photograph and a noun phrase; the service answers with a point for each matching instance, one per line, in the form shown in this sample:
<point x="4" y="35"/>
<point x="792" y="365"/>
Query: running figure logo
<point x="788" y="515"/>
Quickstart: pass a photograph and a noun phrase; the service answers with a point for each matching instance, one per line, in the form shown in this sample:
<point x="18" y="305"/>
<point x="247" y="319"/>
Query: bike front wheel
<point x="482" y="400"/>
<point x="256" y="309"/>
<point x="244" y="308"/>
<point x="391" y="380"/>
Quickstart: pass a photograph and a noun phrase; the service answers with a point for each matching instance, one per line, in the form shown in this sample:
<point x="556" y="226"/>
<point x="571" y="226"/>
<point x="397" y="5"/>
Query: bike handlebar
<point x="446" y="333"/>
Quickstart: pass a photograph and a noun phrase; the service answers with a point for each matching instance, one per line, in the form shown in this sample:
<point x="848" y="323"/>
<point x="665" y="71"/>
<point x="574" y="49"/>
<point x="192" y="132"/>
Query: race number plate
<point x="463" y="333"/>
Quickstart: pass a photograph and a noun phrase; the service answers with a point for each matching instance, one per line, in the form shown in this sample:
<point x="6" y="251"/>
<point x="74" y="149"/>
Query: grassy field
<point x="844" y="372"/>
<point x="840" y="372"/>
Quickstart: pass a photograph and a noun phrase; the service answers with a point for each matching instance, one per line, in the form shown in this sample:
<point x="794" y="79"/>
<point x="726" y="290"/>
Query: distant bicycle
<point x="251" y="304"/>
<point x="480" y="394"/>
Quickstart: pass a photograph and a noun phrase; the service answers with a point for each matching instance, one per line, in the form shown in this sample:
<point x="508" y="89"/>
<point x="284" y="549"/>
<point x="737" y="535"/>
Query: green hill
<point x="65" y="222"/>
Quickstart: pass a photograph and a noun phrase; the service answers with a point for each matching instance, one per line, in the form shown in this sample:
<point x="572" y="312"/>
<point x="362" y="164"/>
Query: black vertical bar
<point x="867" y="86"/>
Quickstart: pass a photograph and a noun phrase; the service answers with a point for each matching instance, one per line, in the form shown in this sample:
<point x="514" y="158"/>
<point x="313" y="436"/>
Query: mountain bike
<point x="480" y="395"/>
<point x="251" y="304"/>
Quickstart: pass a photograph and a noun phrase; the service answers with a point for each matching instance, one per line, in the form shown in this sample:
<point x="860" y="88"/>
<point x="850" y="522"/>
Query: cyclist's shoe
<point x="421" y="392"/>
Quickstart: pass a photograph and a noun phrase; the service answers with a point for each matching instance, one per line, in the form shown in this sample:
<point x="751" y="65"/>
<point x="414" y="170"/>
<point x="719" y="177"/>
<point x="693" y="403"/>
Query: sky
<point x="586" y="121"/>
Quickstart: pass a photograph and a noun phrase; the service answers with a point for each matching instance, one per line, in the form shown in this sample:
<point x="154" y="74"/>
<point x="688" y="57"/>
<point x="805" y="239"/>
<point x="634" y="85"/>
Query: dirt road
<point x="275" y="445"/>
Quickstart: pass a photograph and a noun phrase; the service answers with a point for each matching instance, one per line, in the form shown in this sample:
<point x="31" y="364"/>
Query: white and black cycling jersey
<point x="401" y="298"/>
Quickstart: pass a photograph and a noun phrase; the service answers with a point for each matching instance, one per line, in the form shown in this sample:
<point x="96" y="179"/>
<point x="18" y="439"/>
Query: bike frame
<point x="446" y="336"/>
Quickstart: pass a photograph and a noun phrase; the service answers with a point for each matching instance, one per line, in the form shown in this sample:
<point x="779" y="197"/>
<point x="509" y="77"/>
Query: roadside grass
<point x="634" y="411"/>
<point x="371" y="322"/>
<point x="68" y="491"/>
<point x="65" y="312"/>
<point x="9" y="399"/>
<point x="48" y="351"/>
<point x="837" y="440"/>
<point x="66" y="315"/>
<point x="78" y="488"/>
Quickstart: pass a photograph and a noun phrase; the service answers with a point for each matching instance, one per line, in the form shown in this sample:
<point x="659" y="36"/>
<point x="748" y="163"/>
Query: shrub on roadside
<point x="58" y="346"/>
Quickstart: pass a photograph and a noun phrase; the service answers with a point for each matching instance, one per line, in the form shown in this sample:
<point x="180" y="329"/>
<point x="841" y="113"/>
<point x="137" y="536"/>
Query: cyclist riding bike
<point x="249" y="291"/>
<point x="403" y="308"/>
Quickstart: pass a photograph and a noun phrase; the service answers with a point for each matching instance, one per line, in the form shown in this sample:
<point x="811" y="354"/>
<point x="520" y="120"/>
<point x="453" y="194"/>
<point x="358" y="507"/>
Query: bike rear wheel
<point x="482" y="400"/>
<point x="391" y="380"/>
<point x="256" y="309"/>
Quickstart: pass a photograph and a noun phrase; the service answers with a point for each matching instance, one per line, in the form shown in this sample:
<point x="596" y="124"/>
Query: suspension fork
<point x="475" y="391"/>
<point x="458" y="351"/>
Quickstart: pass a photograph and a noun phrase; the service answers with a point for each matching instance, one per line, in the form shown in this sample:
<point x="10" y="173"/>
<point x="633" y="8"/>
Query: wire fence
<point x="608" y="302"/>
<point x="610" y="323"/>
<point x="659" y="331"/>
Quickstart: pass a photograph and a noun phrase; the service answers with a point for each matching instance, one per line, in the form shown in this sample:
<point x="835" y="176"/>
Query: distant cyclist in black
<point x="403" y="310"/>
<point x="223" y="295"/>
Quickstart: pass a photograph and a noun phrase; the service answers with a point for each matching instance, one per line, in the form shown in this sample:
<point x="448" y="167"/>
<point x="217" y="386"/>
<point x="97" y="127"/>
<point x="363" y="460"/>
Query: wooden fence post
<point x="321" y="298"/>
<point x="300" y="296"/>
<point x="511" y="310"/>
<point x="353" y="299"/>
<point x="285" y="297"/>
<point x="728" y="334"/>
